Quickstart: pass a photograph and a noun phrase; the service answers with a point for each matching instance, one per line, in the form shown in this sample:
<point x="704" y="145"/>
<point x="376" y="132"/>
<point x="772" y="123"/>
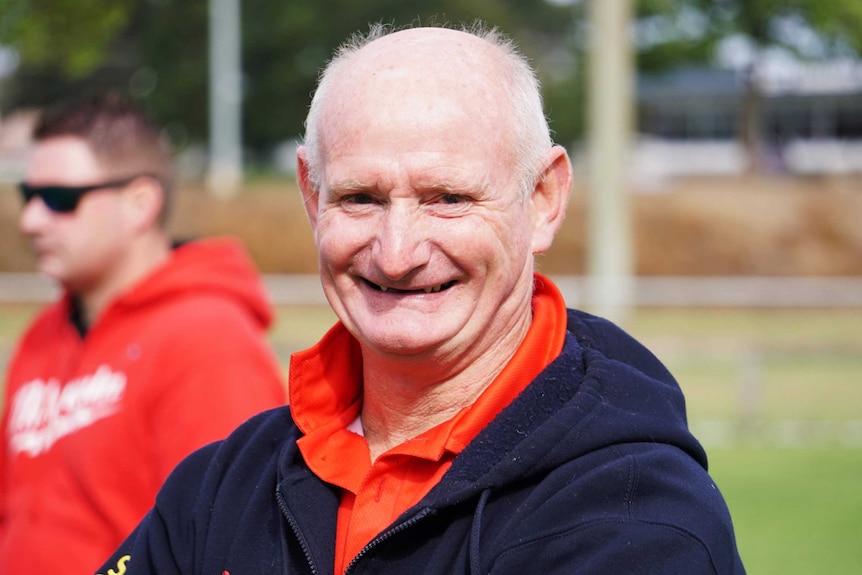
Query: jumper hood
<point x="622" y="394"/>
<point x="591" y="468"/>
<point x="217" y="266"/>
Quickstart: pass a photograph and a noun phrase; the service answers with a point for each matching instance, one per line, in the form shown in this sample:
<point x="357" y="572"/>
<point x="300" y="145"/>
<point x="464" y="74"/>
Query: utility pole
<point x="225" y="98"/>
<point x="609" y="124"/>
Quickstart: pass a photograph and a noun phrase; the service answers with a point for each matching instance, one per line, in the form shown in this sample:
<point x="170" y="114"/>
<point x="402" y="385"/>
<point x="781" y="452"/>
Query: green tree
<point x="72" y="36"/>
<point x="157" y="49"/>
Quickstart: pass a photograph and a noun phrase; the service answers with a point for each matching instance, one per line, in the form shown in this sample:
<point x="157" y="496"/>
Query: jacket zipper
<point x="427" y="511"/>
<point x="296" y="531"/>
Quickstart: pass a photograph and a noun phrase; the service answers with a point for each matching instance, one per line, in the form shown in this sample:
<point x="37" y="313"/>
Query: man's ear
<point x="550" y="198"/>
<point x="146" y="199"/>
<point x="310" y="194"/>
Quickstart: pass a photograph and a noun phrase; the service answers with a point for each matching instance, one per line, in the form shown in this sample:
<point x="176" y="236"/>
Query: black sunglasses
<point x="64" y="199"/>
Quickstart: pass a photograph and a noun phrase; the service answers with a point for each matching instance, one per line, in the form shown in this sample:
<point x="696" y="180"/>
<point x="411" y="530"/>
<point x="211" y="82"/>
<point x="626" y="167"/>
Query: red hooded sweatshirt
<point x="92" y="425"/>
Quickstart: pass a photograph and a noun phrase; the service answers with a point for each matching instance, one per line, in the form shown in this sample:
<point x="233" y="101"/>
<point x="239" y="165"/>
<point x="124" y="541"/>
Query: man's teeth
<point x="433" y="289"/>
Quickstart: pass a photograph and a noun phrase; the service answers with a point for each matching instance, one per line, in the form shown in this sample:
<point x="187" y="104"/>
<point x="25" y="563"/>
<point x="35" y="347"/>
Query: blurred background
<point x="715" y="214"/>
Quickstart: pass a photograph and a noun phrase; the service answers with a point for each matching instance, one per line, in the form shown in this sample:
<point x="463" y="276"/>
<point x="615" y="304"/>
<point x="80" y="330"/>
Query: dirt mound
<point x="695" y="226"/>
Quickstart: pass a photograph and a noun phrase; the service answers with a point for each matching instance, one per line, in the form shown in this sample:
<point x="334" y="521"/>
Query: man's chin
<point x="50" y="269"/>
<point x="402" y="343"/>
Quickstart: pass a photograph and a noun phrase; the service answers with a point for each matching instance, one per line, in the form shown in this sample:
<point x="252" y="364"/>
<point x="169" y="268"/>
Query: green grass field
<point x="775" y="396"/>
<point x="795" y="510"/>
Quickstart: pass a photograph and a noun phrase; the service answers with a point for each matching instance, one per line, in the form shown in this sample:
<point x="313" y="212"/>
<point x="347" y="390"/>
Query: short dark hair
<point x="121" y="135"/>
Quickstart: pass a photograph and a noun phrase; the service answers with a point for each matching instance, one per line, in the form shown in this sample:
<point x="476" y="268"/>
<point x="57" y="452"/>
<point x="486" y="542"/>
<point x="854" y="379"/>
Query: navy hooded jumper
<point x="590" y="470"/>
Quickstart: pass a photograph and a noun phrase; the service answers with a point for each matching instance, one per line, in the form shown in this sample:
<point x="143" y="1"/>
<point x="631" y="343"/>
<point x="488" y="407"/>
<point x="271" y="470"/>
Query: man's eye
<point x="358" y="199"/>
<point x="453" y="199"/>
<point x="450" y="205"/>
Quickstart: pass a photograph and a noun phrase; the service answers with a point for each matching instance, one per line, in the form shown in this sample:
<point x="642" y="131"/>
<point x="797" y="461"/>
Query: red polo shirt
<point x="326" y="398"/>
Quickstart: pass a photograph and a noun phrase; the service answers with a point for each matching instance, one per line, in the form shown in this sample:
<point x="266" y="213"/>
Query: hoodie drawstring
<point x="475" y="532"/>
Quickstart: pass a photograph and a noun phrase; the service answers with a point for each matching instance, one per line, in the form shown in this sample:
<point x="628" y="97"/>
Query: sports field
<point x="776" y="397"/>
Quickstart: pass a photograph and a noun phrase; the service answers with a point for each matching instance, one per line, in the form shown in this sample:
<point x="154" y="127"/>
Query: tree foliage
<point x="689" y="30"/>
<point x="158" y="49"/>
<point x="70" y="35"/>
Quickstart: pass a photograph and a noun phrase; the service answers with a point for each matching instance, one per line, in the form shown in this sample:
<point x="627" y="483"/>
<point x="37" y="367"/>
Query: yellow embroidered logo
<point x="121" y="566"/>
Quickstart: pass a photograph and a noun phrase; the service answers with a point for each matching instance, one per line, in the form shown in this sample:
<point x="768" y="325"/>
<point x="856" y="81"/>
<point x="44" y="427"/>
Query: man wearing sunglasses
<point x="151" y="352"/>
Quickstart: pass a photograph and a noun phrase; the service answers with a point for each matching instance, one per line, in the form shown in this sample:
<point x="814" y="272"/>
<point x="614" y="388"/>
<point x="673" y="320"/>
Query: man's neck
<point x="398" y="405"/>
<point x="138" y="263"/>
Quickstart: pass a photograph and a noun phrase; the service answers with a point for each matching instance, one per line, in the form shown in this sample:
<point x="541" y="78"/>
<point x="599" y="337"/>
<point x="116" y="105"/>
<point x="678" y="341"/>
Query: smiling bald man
<point x="458" y="418"/>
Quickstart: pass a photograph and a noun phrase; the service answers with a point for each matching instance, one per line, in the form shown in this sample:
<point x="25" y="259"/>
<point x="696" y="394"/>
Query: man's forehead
<point x="422" y="174"/>
<point x="73" y="146"/>
<point x="426" y="136"/>
<point x="391" y="101"/>
<point x="64" y="159"/>
<point x="421" y="89"/>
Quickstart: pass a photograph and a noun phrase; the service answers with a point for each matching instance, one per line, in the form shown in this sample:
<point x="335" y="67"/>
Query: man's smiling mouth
<point x="429" y="289"/>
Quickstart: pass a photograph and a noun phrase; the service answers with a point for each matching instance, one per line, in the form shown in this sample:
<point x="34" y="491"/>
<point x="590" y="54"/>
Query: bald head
<point x="417" y="76"/>
<point x="450" y="67"/>
<point x="435" y="49"/>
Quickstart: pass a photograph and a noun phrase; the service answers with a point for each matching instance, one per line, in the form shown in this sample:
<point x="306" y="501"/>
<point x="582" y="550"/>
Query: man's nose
<point x="34" y="215"/>
<point x="401" y="243"/>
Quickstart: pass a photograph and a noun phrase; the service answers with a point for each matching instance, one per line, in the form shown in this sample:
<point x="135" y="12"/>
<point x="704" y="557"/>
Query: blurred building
<point x="810" y="119"/>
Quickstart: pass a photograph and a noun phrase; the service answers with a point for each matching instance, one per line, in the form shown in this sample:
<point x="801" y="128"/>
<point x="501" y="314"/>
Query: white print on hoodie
<point x="45" y="411"/>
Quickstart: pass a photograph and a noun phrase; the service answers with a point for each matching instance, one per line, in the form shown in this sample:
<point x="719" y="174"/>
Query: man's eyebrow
<point x="423" y="185"/>
<point x="472" y="186"/>
<point x="446" y="187"/>
<point x="350" y="186"/>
